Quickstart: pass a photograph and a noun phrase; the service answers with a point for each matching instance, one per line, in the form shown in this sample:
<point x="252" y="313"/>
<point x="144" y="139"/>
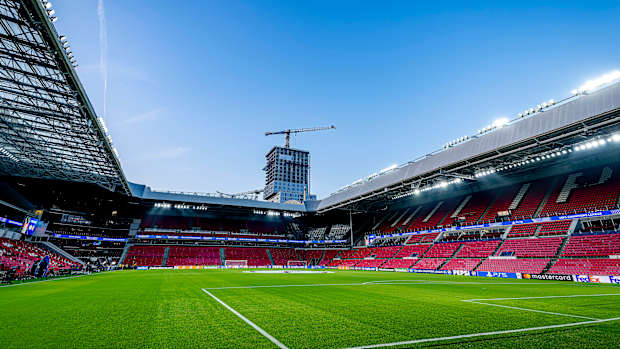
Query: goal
<point x="238" y="263"/>
<point x="296" y="264"/>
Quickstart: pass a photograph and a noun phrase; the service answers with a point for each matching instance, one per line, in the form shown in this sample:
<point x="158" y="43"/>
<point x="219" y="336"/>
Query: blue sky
<point x="193" y="85"/>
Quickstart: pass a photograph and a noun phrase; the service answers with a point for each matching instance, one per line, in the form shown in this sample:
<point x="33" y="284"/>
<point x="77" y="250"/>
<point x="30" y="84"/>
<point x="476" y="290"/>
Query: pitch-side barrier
<point x="606" y="279"/>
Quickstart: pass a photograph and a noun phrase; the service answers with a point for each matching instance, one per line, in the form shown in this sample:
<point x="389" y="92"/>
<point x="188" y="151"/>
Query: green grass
<point x="168" y="309"/>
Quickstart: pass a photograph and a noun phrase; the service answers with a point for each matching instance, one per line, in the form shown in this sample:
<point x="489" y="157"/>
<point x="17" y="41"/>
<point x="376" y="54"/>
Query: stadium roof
<point x="48" y="127"/>
<point x="581" y="117"/>
<point x="145" y="192"/>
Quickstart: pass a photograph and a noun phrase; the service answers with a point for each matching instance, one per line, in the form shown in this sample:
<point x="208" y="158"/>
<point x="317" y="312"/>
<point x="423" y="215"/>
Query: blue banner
<point x="223" y="238"/>
<point x="496" y="274"/>
<point x="372" y="237"/>
<point x="95" y="238"/>
<point x="10" y="221"/>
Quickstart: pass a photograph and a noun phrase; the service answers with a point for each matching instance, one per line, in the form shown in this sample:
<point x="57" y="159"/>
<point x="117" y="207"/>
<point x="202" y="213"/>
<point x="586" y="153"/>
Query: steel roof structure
<point x="580" y="117"/>
<point x="48" y="127"/>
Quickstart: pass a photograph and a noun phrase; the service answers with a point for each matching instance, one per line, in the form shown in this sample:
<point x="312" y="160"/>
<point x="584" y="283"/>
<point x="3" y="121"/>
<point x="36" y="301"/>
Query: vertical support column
<point x="351" y="226"/>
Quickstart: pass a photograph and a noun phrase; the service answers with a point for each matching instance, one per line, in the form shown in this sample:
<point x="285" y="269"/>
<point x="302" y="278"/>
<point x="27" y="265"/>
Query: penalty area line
<point x="472" y="335"/>
<point x="260" y="330"/>
<point x="532" y="310"/>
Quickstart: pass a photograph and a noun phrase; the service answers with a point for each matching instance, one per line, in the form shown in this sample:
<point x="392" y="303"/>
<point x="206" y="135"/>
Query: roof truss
<point x="48" y="128"/>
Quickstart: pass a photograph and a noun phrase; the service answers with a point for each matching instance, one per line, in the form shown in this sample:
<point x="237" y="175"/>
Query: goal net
<point x="296" y="264"/>
<point x="236" y="263"/>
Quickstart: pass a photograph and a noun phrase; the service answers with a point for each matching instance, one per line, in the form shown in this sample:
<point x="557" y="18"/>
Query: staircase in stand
<point x="270" y="257"/>
<point x="537" y="231"/>
<point x="557" y="255"/>
<point x="543" y="202"/>
<point x="569" y="185"/>
<point x="430" y="214"/>
<point x="451" y="256"/>
<point x="50" y="246"/>
<point x="519" y="197"/>
<point x="124" y="255"/>
<point x="492" y="254"/>
<point x="165" y="259"/>
<point x="460" y="207"/>
<point x="222" y="256"/>
<point x="484" y="213"/>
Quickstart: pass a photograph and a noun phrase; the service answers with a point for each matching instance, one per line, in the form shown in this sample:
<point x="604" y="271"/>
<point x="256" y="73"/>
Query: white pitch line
<point x="277" y="286"/>
<point x="56" y="279"/>
<point x="532" y="310"/>
<point x="36" y="282"/>
<point x="471" y="335"/>
<point x="393" y="282"/>
<point x="260" y="330"/>
<point x="544" y="297"/>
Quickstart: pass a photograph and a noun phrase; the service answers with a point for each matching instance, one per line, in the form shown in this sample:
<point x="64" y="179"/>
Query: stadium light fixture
<point x="501" y="122"/>
<point x="53" y="19"/>
<point x="616" y="137"/>
<point x="594" y="84"/>
<point x="389" y="168"/>
<point x="47" y="4"/>
<point x="51" y="12"/>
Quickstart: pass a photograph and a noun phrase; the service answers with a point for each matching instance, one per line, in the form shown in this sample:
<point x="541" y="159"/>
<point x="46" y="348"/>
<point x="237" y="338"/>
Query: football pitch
<point x="341" y="309"/>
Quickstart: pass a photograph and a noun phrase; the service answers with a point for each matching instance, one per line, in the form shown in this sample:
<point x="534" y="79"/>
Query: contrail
<point x="103" y="52"/>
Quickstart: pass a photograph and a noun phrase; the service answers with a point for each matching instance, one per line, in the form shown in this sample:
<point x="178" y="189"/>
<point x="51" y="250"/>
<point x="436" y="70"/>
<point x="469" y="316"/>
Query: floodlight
<point x="616" y="137"/>
<point x="53" y="19"/>
<point x="551" y="102"/>
<point x="388" y="168"/>
<point x="47" y="4"/>
<point x="601" y="142"/>
<point x="51" y="12"/>
<point x="500" y="122"/>
<point x="600" y="81"/>
<point x="531" y="110"/>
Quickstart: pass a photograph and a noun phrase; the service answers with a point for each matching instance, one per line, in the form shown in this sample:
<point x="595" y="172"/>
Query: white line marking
<point x="36" y="282"/>
<point x="56" y="279"/>
<point x="541" y="297"/>
<point x="260" y="330"/>
<point x="276" y="286"/>
<point x="421" y="282"/>
<point x="417" y="341"/>
<point x="478" y="301"/>
<point x="532" y="310"/>
<point x="396" y="282"/>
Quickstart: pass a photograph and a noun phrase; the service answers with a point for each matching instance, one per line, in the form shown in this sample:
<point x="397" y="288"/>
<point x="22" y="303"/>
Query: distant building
<point x="287" y="175"/>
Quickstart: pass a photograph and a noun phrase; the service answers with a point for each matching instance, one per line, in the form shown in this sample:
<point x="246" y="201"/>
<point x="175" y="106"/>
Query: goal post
<point x="296" y="264"/>
<point x="236" y="263"/>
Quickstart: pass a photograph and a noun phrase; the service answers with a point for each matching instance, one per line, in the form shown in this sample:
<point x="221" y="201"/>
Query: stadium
<point x="506" y="237"/>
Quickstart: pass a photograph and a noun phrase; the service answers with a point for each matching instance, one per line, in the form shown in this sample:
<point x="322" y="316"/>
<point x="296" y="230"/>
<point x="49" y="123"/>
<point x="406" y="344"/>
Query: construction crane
<point x="253" y="194"/>
<point x="288" y="132"/>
